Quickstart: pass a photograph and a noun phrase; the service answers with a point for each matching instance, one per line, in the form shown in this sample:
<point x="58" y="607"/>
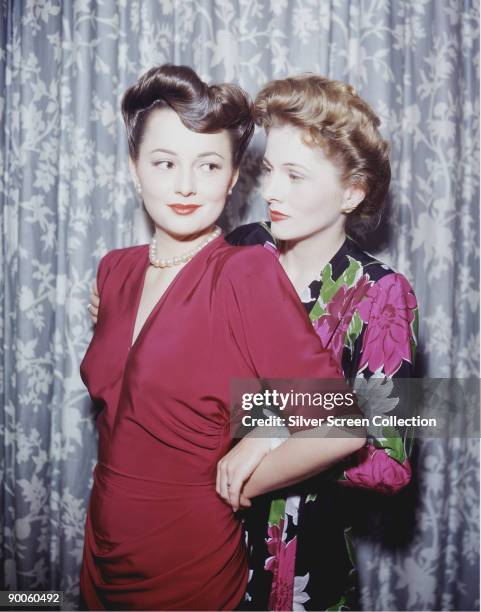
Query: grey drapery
<point x="67" y="198"/>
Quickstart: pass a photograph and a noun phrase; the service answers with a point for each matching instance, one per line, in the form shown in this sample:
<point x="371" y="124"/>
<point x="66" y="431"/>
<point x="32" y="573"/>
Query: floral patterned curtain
<point x="67" y="199"/>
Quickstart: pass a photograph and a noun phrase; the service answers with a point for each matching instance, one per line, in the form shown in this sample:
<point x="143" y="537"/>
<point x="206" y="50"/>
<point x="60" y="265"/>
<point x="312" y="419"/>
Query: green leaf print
<point x="352" y="274"/>
<point x="330" y="287"/>
<point x="414" y="335"/>
<point x="351" y="551"/>
<point x="409" y="435"/>
<point x="311" y="497"/>
<point x="415" y="324"/>
<point x="392" y="443"/>
<point x="277" y="511"/>
<point x="413" y="349"/>
<point x="340" y="605"/>
<point x="353" y="331"/>
<point x="317" y="311"/>
<point x="348" y="278"/>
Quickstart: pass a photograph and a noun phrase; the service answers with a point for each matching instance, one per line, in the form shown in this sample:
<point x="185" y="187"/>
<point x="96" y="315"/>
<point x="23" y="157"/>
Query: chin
<point x="285" y="233"/>
<point x="295" y="232"/>
<point x="184" y="226"/>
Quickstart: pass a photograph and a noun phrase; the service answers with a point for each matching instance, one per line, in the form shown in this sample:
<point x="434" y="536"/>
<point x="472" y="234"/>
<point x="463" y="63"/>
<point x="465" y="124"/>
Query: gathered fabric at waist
<point x="136" y="485"/>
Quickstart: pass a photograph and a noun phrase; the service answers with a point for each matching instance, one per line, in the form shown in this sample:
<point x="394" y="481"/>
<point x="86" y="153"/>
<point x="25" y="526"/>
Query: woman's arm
<point x="299" y="457"/>
<point x="271" y="329"/>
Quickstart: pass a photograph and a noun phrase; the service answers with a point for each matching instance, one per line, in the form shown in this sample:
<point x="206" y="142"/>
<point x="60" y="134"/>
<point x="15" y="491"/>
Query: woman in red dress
<point x="178" y="321"/>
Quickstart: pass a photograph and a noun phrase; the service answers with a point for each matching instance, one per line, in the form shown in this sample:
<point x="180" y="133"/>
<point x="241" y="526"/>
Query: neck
<point x="303" y="259"/>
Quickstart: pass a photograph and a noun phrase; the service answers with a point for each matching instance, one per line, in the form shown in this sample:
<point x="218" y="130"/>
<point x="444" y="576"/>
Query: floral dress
<point x="301" y="555"/>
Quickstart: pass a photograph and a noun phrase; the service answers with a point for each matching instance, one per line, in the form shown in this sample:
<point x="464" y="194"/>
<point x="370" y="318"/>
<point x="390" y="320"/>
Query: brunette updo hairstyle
<point x="201" y="108"/>
<point x="335" y="118"/>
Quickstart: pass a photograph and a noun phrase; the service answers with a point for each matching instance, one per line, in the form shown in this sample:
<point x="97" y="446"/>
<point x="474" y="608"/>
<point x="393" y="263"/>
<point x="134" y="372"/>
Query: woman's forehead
<point x="288" y="142"/>
<point x="165" y="130"/>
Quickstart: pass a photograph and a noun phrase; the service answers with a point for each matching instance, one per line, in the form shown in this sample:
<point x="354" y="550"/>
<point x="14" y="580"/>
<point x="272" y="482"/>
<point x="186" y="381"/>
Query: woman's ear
<point x="133" y="171"/>
<point x="352" y="197"/>
<point x="233" y="180"/>
<point x="134" y="176"/>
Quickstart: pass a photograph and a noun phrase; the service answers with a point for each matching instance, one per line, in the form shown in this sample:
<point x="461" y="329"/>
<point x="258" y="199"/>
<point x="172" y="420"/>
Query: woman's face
<point x="184" y="176"/>
<point x="302" y="187"/>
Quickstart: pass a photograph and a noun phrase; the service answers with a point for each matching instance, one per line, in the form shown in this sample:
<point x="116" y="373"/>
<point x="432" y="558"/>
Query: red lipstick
<point x="184" y="209"/>
<point x="277" y="216"/>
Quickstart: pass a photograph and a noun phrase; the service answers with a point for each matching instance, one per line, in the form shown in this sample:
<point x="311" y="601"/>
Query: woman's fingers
<point x="94" y="302"/>
<point x="93" y="314"/>
<point x="234" y="488"/>
<point x="237" y="466"/>
<point x="95" y="290"/>
<point x="223" y="479"/>
<point x="244" y="501"/>
<point x="229" y="483"/>
<point x="217" y="479"/>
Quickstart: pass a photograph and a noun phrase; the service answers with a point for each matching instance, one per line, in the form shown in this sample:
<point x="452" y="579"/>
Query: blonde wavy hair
<point x="333" y="117"/>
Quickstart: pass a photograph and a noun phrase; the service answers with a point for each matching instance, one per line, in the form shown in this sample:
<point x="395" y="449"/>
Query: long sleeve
<point x="386" y="350"/>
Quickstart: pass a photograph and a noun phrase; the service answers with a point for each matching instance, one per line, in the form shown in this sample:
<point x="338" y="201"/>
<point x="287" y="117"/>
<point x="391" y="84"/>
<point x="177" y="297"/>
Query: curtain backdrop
<point x="67" y="199"/>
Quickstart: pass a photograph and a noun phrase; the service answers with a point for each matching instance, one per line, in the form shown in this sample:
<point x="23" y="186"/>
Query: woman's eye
<point x="209" y="167"/>
<point x="266" y="169"/>
<point x="295" y="177"/>
<point x="164" y="164"/>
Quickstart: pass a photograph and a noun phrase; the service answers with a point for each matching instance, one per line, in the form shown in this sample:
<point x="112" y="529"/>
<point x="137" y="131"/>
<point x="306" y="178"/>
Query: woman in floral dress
<point x="357" y="305"/>
<point x="301" y="557"/>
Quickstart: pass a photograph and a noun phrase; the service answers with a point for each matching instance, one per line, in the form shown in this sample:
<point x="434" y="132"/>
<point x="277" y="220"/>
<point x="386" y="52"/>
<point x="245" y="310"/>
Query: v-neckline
<point x="158" y="303"/>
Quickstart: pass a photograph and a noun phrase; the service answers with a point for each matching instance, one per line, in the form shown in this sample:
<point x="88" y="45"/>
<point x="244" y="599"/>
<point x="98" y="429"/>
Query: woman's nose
<point x="271" y="188"/>
<point x="185" y="184"/>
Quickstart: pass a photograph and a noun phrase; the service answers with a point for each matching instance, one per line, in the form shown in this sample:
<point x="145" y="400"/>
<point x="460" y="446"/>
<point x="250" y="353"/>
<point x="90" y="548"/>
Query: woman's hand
<point x="235" y="468"/>
<point x="94" y="302"/>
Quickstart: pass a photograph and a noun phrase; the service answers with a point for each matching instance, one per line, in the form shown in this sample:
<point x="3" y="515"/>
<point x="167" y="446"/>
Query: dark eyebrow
<point x="207" y="153"/>
<point x="164" y="151"/>
<point x="287" y="165"/>
<point x="292" y="165"/>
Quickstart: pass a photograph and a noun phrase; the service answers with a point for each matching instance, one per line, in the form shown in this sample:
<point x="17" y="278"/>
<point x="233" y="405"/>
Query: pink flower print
<point x="282" y="565"/>
<point x="334" y="323"/>
<point x="376" y="470"/>
<point x="388" y="308"/>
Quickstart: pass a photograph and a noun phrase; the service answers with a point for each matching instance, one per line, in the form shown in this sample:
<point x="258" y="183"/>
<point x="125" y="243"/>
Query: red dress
<point x="158" y="537"/>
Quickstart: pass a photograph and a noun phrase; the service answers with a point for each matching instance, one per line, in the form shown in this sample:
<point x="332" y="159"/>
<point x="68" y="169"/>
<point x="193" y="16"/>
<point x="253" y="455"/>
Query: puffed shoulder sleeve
<point x="105" y="266"/>
<point x="270" y="326"/>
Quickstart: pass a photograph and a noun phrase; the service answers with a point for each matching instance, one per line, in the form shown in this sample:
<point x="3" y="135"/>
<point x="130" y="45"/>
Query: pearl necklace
<point x="180" y="259"/>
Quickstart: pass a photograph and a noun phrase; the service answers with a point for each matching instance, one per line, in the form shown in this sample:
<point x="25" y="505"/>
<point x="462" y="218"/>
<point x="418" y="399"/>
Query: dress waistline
<point x="135" y="484"/>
